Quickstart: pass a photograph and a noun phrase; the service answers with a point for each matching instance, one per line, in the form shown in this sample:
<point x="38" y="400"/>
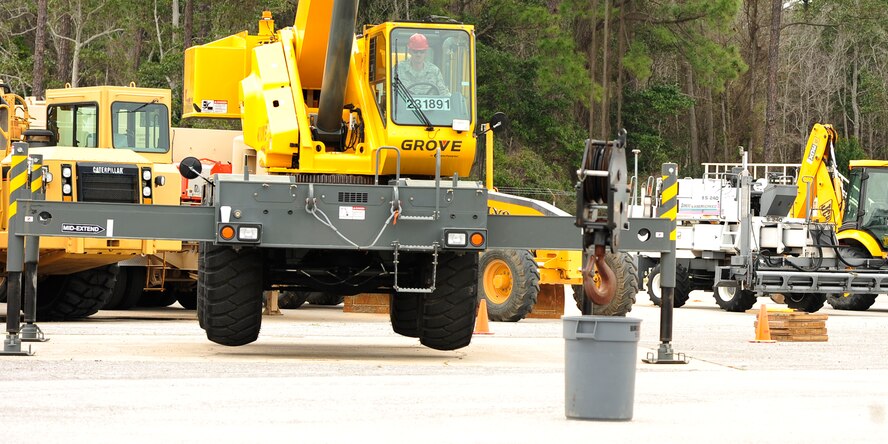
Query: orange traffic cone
<point x="762" y="329"/>
<point x="481" y="326"/>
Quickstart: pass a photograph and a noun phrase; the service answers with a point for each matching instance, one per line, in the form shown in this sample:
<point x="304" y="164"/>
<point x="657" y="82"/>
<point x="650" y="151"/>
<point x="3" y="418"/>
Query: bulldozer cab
<point x="866" y="215"/>
<point x="130" y="118"/>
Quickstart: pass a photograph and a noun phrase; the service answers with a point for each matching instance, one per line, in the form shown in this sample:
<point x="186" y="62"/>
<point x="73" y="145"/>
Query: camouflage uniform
<point x="429" y="74"/>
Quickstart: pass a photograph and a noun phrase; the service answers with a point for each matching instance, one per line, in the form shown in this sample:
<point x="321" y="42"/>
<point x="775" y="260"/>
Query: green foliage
<point x="846" y="151"/>
<point x="637" y="60"/>
<point x="649" y="114"/>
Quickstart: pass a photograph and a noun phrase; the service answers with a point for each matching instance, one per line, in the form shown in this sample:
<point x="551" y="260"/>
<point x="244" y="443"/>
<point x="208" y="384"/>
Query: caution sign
<point x="82" y="228"/>
<point x="214" y="106"/>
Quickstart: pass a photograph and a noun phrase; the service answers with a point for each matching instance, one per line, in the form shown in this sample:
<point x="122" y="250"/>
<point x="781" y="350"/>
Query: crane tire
<point x="448" y="314"/>
<point x="404" y="312"/>
<point x="232" y="282"/>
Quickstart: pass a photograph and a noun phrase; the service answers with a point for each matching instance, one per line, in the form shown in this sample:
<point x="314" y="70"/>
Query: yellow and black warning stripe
<point x="668" y="204"/>
<point x="18" y="172"/>
<point x="36" y="174"/>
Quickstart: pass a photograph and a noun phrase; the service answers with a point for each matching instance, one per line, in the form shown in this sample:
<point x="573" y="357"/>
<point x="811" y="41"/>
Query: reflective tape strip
<point x="669" y="192"/>
<point x="18" y="170"/>
<point x="668" y="204"/>
<point x="18" y="181"/>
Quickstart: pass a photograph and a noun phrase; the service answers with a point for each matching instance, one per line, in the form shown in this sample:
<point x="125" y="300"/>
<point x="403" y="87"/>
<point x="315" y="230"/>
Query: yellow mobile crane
<point x="101" y="144"/>
<point x="320" y="108"/>
<point x="354" y="180"/>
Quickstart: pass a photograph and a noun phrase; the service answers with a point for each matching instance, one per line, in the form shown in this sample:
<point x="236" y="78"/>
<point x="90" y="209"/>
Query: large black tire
<point x="185" y="294"/>
<point x="321" y="298"/>
<point x="2" y="289"/>
<point x="232" y="282"/>
<point x="807" y="302"/>
<point x="733" y="299"/>
<point x="448" y="314"/>
<point x="201" y="279"/>
<point x="627" y="287"/>
<point x="682" y="286"/>
<point x="291" y="300"/>
<point x="510" y="282"/>
<point x="854" y="301"/>
<point x="117" y="292"/>
<point x="75" y="296"/>
<point x="404" y="312"/>
<point x="135" y="283"/>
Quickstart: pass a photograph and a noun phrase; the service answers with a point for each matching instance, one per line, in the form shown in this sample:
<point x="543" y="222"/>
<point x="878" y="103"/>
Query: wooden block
<point x="800" y="338"/>
<point x="797" y="331"/>
<point x="795" y="324"/>
<point x="367" y="303"/>
<point x="799" y="315"/>
<point x="550" y="302"/>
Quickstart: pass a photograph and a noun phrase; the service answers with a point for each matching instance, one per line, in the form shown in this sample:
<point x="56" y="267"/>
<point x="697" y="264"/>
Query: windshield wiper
<point x="144" y="105"/>
<point x="400" y="88"/>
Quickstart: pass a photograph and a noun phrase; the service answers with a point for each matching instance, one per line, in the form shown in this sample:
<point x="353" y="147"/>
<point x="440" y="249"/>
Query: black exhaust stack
<point x="339" y="46"/>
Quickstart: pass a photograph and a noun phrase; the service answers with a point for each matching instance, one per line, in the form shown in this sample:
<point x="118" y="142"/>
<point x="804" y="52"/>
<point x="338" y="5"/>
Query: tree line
<point x="692" y="81"/>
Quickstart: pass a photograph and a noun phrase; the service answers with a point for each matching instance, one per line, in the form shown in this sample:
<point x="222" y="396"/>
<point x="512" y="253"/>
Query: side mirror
<point x="499" y="122"/>
<point x="190" y="168"/>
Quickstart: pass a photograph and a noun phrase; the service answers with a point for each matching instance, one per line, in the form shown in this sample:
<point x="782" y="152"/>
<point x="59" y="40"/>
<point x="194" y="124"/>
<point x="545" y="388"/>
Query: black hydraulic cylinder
<point x="30" y="285"/>
<point x="667" y="300"/>
<point x="339" y="47"/>
<point x="13" y="301"/>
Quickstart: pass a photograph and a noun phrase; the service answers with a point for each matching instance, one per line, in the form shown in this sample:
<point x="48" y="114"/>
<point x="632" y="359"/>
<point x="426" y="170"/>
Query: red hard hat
<point x="418" y="42"/>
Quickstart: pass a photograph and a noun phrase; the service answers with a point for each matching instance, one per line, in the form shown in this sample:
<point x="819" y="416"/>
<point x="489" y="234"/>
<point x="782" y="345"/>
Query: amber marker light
<point x="227" y="232"/>
<point x="477" y="239"/>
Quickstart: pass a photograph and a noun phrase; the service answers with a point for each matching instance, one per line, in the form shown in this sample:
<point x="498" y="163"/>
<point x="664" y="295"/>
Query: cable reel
<point x="602" y="211"/>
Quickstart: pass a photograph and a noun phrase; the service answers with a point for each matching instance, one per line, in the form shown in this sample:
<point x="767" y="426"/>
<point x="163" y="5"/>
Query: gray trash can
<point x="599" y="366"/>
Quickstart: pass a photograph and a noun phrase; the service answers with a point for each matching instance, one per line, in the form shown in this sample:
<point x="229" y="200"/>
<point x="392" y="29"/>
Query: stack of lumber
<point x="796" y="326"/>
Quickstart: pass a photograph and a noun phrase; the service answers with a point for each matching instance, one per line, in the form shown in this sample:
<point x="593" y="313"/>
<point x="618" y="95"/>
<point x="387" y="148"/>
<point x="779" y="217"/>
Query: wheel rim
<point x="795" y="297"/>
<point x="497" y="281"/>
<point x="726" y="293"/>
<point x="655" y="285"/>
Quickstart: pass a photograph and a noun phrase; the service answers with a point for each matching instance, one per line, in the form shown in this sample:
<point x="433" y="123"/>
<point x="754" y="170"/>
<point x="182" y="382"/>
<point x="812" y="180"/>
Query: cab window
<point x="140" y="127"/>
<point x="76" y="125"/>
<point x="432" y="76"/>
<point x="376" y="73"/>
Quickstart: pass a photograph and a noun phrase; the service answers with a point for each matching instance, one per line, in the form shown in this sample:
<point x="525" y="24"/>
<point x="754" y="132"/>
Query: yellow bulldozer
<point x="100" y="144"/>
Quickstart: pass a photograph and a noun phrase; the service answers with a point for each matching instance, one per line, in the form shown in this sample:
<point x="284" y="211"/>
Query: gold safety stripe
<point x="18" y="181"/>
<point x="37" y="179"/>
<point x="667" y="199"/>
<point x="669" y="193"/>
<point x="13" y="208"/>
